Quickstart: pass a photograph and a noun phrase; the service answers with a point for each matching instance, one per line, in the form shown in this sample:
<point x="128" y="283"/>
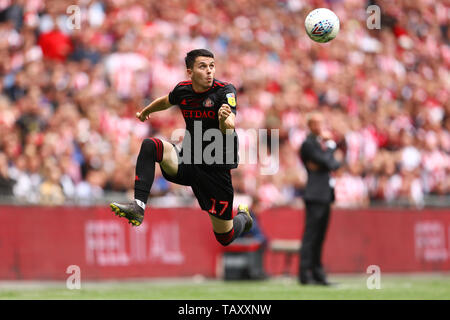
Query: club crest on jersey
<point x="231" y="99"/>
<point x="208" y="103"/>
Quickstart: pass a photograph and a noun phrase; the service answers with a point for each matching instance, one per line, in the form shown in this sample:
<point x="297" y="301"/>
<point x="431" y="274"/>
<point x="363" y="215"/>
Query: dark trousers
<point x="316" y="224"/>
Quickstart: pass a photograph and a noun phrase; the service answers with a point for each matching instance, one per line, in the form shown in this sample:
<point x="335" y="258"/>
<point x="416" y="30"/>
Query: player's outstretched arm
<point x="159" y="104"/>
<point x="226" y="119"/>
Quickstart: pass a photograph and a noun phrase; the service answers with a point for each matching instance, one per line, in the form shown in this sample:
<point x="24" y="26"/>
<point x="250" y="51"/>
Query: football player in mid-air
<point x="206" y="104"/>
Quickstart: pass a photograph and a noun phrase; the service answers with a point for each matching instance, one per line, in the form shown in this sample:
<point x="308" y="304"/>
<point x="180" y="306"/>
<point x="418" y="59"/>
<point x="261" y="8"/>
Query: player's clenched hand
<point x="143" y="115"/>
<point x="224" y="112"/>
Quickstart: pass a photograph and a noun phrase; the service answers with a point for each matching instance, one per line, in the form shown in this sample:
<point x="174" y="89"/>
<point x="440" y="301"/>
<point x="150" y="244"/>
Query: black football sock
<point x="151" y="152"/>
<point x="226" y="238"/>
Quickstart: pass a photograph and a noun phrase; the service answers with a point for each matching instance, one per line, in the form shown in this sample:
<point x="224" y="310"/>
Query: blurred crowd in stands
<point x="69" y="93"/>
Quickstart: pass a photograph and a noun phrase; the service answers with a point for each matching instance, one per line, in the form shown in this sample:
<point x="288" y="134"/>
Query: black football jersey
<point x="204" y="144"/>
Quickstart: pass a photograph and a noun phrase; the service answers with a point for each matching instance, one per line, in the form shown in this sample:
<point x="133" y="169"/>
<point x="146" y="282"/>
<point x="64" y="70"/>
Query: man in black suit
<point x="317" y="153"/>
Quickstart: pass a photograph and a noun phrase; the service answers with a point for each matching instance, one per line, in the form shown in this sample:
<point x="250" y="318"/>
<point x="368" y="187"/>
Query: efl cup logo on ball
<point x="322" y="25"/>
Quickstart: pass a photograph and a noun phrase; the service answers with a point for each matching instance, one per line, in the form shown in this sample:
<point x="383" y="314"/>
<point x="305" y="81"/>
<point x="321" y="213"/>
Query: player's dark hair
<point x="192" y="55"/>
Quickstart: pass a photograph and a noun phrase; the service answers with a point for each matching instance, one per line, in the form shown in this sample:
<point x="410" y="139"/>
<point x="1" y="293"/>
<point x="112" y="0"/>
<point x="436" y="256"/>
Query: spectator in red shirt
<point x="55" y="45"/>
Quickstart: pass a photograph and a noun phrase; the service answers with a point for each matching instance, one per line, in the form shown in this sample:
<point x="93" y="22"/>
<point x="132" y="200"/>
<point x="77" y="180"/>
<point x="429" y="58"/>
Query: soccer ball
<point x="322" y="25"/>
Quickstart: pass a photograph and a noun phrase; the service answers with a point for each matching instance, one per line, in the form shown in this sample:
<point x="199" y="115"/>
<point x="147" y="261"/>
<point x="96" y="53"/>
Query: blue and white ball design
<point x="322" y="25"/>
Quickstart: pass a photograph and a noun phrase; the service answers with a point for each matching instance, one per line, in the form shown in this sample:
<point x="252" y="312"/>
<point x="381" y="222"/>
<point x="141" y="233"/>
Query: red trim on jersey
<point x="221" y="83"/>
<point x="198" y="92"/>
<point x="214" y="84"/>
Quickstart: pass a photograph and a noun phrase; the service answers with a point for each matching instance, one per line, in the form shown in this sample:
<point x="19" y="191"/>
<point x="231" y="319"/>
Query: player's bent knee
<point x="153" y="147"/>
<point x="170" y="159"/>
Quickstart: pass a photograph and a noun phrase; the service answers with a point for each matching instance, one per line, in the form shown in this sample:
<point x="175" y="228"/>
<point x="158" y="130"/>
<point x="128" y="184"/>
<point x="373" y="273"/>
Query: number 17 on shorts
<point x="218" y="208"/>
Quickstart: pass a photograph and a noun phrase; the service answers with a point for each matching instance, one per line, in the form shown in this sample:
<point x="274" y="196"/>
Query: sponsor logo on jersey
<point x="198" y="114"/>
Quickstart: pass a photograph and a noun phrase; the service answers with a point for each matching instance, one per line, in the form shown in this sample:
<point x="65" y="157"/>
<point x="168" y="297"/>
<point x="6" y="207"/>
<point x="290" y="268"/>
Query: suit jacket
<point x="318" y="187"/>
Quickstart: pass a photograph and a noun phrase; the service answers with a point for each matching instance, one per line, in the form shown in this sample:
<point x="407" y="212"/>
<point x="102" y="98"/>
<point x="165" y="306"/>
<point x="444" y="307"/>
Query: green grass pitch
<point x="393" y="287"/>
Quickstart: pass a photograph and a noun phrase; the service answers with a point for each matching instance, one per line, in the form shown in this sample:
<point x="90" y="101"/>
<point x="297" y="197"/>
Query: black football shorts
<point x="212" y="187"/>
